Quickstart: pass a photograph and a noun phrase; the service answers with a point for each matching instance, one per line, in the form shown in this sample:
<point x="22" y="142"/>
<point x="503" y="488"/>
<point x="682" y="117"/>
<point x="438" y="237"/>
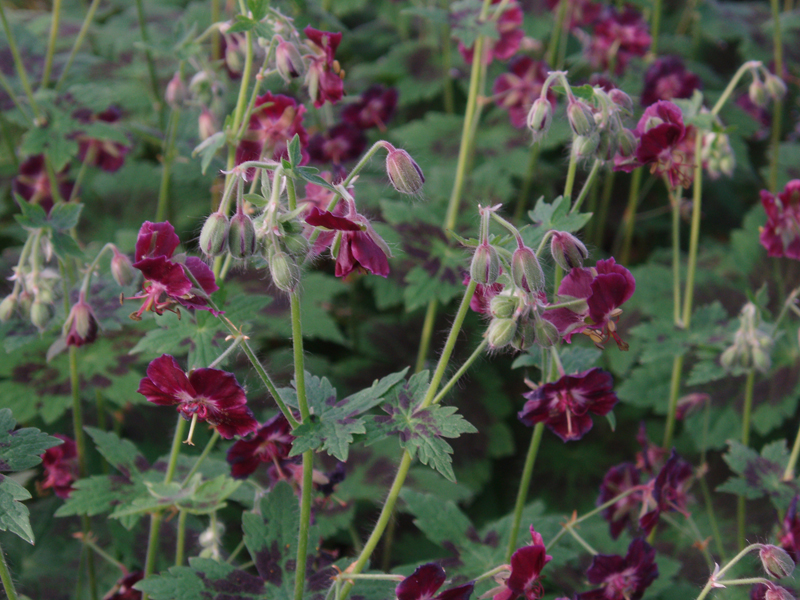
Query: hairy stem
<point x="5" y="577"/>
<point x="78" y="42"/>
<point x="51" y="44"/>
<point x="629" y="217"/>
<point x="741" y="509"/>
<point x="524" y="484"/>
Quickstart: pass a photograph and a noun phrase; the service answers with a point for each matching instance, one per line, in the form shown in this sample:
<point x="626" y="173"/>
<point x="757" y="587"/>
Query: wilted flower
<point x="60" y="466"/>
<point x="619" y="479"/>
<point x="374" y="109"/>
<point x="425" y="581"/>
<point x="622" y="578"/>
<point x="212" y="395"/>
<point x="33" y="184"/>
<point x="517" y="90"/>
<point x="617" y="37"/>
<point x="667" y="79"/>
<point x="668" y="491"/>
<point x="339" y="144"/>
<point x="564" y="405"/>
<point x="81" y="325"/>
<point x="106" y="154"/>
<point x="270" y="444"/>
<point x="781" y="235"/>
<point x="323" y="76"/>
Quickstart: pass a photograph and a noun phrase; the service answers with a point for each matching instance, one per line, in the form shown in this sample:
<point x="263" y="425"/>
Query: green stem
<point x="77" y="409"/>
<point x="6" y="133"/>
<point x="18" y="64"/>
<point x="674" y="391"/>
<point x="587" y="185"/>
<point x="775" y="145"/>
<point x="151" y="66"/>
<point x="675" y="201"/>
<point x="741" y="509"/>
<point x="578" y="538"/>
<point x="427" y="332"/>
<point x="694" y="235"/>
<point x="241" y="101"/>
<point x="51" y="44"/>
<point x="235" y="552"/>
<point x="200" y="459"/>
<point x="5" y="577"/>
<point x="655" y="27"/>
<point x="571" y="170"/>
<point x="180" y="543"/>
<point x="629" y="217"/>
<point x="216" y="38"/>
<point x="712" y="517"/>
<point x="104" y="555"/>
<point x="714" y="579"/>
<point x="555" y="39"/>
<point x="788" y="474"/>
<point x="524" y="484"/>
<point x="168" y="155"/>
<point x="527" y="183"/>
<point x="599" y="227"/>
<point x="463" y="369"/>
<point x="305" y="523"/>
<point x="78" y="42"/>
<point x="749" y="65"/>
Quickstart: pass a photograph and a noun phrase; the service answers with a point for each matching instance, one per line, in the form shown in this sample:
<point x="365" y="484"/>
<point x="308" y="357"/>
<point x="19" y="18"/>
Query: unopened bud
<point x="485" y="267"/>
<point x="776" y="561"/>
<point x="758" y="93"/>
<point x="585" y="147"/>
<point x="776" y="592"/>
<point x="404" y="172"/>
<point x="241" y="236"/>
<point x="175" y="94"/>
<point x="7" y="307"/>
<point x="627" y="142"/>
<point x="622" y="100"/>
<point x="284" y="271"/>
<point x="80" y="328"/>
<point x="526" y="335"/>
<point x="288" y="60"/>
<point x="40" y="314"/>
<point x="502" y="306"/>
<point x="546" y="333"/>
<point x="539" y="118"/>
<point x="121" y="268"/>
<point x="607" y="144"/>
<point x="501" y="333"/>
<point x="761" y="360"/>
<point x="206" y="124"/>
<point x="25" y="303"/>
<point x="567" y="250"/>
<point x="526" y="270"/>
<point x="581" y="118"/>
<point x="295" y="244"/>
<point x="776" y="88"/>
<point x="44" y="293"/>
<point x="214" y="235"/>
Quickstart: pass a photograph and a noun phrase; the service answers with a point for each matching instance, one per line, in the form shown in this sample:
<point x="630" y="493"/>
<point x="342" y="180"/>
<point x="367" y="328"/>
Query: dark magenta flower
<point x="275" y="120"/>
<point x="517" y="90"/>
<point x="667" y="491"/>
<point x="166" y="283"/>
<point x="374" y="109"/>
<point x="233" y="49"/>
<point x="770" y="591"/>
<point x="509" y="30"/>
<point x="322" y="78"/>
<point x="107" y="155"/>
<point x="271" y="444"/>
<point x="617" y="37"/>
<point x="33" y="184"/>
<point x="667" y="78"/>
<point x="212" y="395"/>
<point x="790" y="533"/>
<point x="619" y="479"/>
<point x="425" y="581"/>
<point x="60" y="466"/>
<point x="522" y="580"/>
<point x="123" y="589"/>
<point x="81" y="325"/>
<point x="360" y="247"/>
<point x="606" y="287"/>
<point x="339" y="144"/>
<point x="781" y="235"/>
<point x="483" y="295"/>
<point x="564" y="405"/>
<point x="622" y="578"/>
<point x="579" y="12"/>
<point x="650" y="460"/>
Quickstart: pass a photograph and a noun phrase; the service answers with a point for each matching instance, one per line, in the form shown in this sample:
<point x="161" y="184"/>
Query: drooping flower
<point x="770" y="591"/>
<point x="517" y="90"/>
<point x="212" y="395"/>
<point x="339" y="144"/>
<point x="509" y="31"/>
<point x="275" y="120"/>
<point x="61" y="466"/>
<point x="166" y="283"/>
<point x="781" y="235"/>
<point x="323" y="76"/>
<point x="622" y="578"/>
<point x="668" y="491"/>
<point x="790" y="533"/>
<point x="564" y="405"/>
<point x="360" y="247"/>
<point x="123" y="589"/>
<point x="605" y="287"/>
<point x="33" y="184"/>
<point x="425" y="581"/>
<point x="103" y="153"/>
<point x="271" y="444"/>
<point x="666" y="79"/>
<point x="523" y="579"/>
<point x="619" y="479"/>
<point x="374" y="109"/>
<point x="80" y="328"/>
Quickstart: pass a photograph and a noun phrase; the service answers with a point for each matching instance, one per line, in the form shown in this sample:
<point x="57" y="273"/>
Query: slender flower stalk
<point x="19" y="65"/>
<point x="788" y="474"/>
<point x="168" y="156"/>
<point x="87" y="21"/>
<point x="5" y="577"/>
<point x="180" y="542"/>
<point x="777" y="111"/>
<point x="715" y="578"/>
<point x="200" y="459"/>
<point x="629" y="217"/>
<point x="524" y="484"/>
<point x="587" y="185"/>
<point x="463" y="369"/>
<point x="51" y="43"/>
<point x="741" y="510"/>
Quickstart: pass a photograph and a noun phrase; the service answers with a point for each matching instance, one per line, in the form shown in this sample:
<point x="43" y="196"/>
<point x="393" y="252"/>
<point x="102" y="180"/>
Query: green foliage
<point x="552" y="215"/>
<point x="760" y="474"/>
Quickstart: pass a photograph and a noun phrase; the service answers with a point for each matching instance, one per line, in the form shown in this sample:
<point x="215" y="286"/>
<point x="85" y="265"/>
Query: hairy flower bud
<point x="80" y="328"/>
<point x="288" y="61"/>
<point x="567" y="250"/>
<point x="627" y="142"/>
<point x="241" y="236"/>
<point x="775" y="86"/>
<point x="526" y="270"/>
<point x="581" y="118"/>
<point x="284" y="271"/>
<point x="526" y="335"/>
<point x="546" y="333"/>
<point x="776" y="592"/>
<point x="40" y="314"/>
<point x="295" y="244"/>
<point x="758" y="93"/>
<point x="206" y="124"/>
<point x="502" y="306"/>
<point x="586" y="147"/>
<point x="7" y="307"/>
<point x="121" y="268"/>
<point x="214" y="235"/>
<point x="485" y="267"/>
<point x="175" y="94"/>
<point x="501" y="333"/>
<point x="622" y="100"/>
<point x="540" y="117"/>
<point x="776" y="561"/>
<point x="404" y="172"/>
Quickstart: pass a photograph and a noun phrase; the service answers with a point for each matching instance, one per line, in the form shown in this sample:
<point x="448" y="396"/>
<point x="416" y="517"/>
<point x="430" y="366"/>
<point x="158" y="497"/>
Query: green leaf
<point x="295" y="155"/>
<point x="202" y="579"/>
<point x="100" y="130"/>
<point x="554" y="215"/>
<point x="310" y="175"/>
<point x="441" y="522"/>
<point x="14" y="516"/>
<point x="422" y="287"/>
<point x="197" y="497"/>
<point x="121" y="454"/>
<point x="208" y="149"/>
<point x="65" y="215"/>
<point x="242" y="23"/>
<point x="65" y="246"/>
<point x="258" y="8"/>
<point x="466" y="24"/>
<point x="100" y="494"/>
<point x="23" y="448"/>
<point x="574" y="358"/>
<point x="434" y="15"/>
<point x="33" y="215"/>
<point x="760" y="475"/>
<point x="60" y="150"/>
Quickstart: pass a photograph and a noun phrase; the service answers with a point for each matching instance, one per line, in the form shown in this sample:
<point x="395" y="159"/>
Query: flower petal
<point x="165" y="379"/>
<point x="422" y="583"/>
<point x="156" y="239"/>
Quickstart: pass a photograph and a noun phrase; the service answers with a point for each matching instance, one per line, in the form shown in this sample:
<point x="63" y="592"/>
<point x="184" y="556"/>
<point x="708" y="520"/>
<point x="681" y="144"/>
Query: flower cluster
<point x="622" y="578"/>
<point x="517" y="90"/>
<point x="781" y="235"/>
<point x="616" y="38"/>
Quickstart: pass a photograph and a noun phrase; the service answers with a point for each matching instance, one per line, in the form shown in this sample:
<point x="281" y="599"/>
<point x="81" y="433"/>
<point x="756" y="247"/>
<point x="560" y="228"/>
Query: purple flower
<point x="360" y="248"/>
<point x="166" y="283"/>
<point x="425" y="581"/>
<point x="123" y="589"/>
<point x="374" y="109"/>
<point x="81" y="325"/>
<point x="666" y="79"/>
<point x="517" y="90"/>
<point x="622" y="578"/>
<point x="213" y="395"/>
<point x="667" y="491"/>
<point x="619" y="479"/>
<point x="564" y="405"/>
<point x="781" y="235"/>
<point x="524" y="577"/>
<point x="33" y="184"/>
<point x="60" y="466"/>
<point x="322" y="78"/>
<point x="107" y="155"/>
<point x="509" y="31"/>
<point x="618" y="37"/>
<point x="790" y="532"/>
<point x="770" y="591"/>
<point x="341" y="143"/>
<point x="271" y="444"/>
<point x="483" y="295"/>
<point x="579" y="12"/>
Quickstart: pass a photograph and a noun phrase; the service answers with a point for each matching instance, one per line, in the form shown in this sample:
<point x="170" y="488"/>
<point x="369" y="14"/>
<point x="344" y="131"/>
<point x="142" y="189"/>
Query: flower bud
<point x="7" y="307"/>
<point x="295" y="244"/>
<point x="25" y="303"/>
<point x="526" y="270"/>
<point x="485" y="267"/>
<point x="581" y="118"/>
<point x="546" y="333"/>
<point x="241" y="236"/>
<point x="284" y="271"/>
<point x="40" y="314"/>
<point x="758" y="93"/>
<point x="214" y="235"/>
<point x="567" y="250"/>
<point x="776" y="561"/>
<point x="775" y="86"/>
<point x="176" y="91"/>
<point x="622" y="100"/>
<point x="526" y="335"/>
<point x="627" y="142"/>
<point x="288" y="61"/>
<point x="121" y="268"/>
<point x="776" y="592"/>
<point x="607" y="144"/>
<point x="502" y="306"/>
<point x="44" y="293"/>
<point x="585" y="147"/>
<point x="539" y="118"/>
<point x="404" y="172"/>
<point x="501" y="333"/>
<point x="206" y="124"/>
<point x="81" y="325"/>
